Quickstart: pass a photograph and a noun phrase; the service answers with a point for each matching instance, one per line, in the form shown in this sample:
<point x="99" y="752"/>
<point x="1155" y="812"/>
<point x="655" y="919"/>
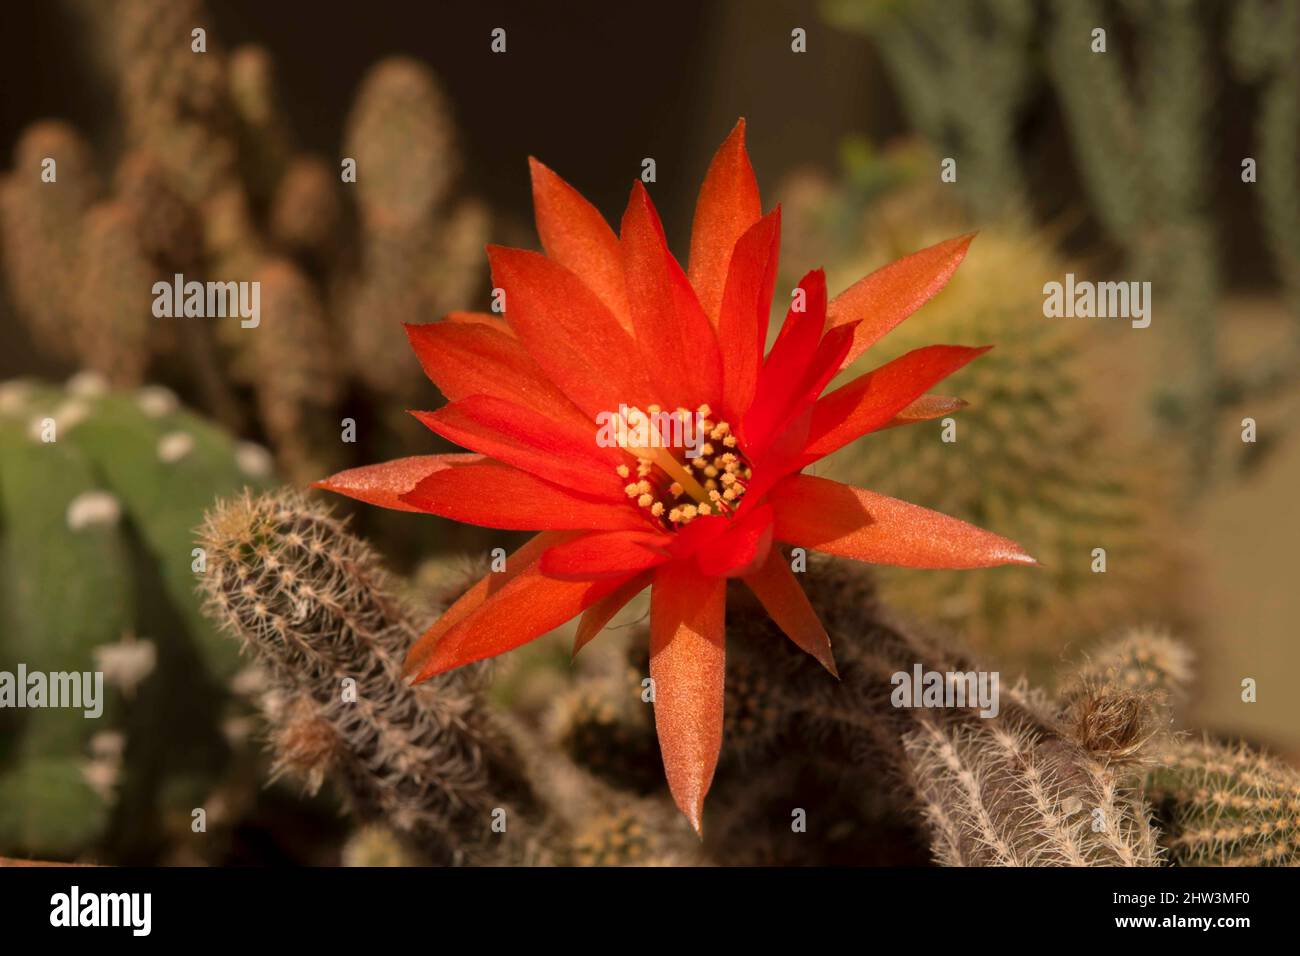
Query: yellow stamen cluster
<point x="679" y="491"/>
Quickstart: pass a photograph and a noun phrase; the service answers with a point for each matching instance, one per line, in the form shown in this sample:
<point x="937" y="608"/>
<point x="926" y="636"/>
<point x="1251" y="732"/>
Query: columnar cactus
<point x="313" y="604"/>
<point x="41" y="229"/>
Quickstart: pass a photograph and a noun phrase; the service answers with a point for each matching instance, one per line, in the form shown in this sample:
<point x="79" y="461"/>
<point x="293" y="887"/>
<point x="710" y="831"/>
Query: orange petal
<point x="890" y="294"/>
<point x="570" y="333"/>
<point x="777" y="589"/>
<point x="795" y="369"/>
<point x="746" y="310"/>
<point x="688" y="664"/>
<point x="596" y="617"/>
<point x="495" y="495"/>
<point x="505" y="614"/>
<point x="727" y="206"/>
<point x="465" y="359"/>
<point x="576" y="235"/>
<point x="872" y="400"/>
<point x="605" y="554"/>
<point x="926" y="408"/>
<point x="743" y="547"/>
<point x="853" y="523"/>
<point x="525" y="558"/>
<point x="385" y="484"/>
<point x="561" y="452"/>
<point x="480" y="318"/>
<point x="673" y="333"/>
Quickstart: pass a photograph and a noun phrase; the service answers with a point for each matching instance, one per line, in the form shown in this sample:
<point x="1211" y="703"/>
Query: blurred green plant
<point x="99" y="493"/>
<point x="964" y="70"/>
<point x="1140" y="116"/>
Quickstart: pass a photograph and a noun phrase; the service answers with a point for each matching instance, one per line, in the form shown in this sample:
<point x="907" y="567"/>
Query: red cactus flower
<point x="605" y="323"/>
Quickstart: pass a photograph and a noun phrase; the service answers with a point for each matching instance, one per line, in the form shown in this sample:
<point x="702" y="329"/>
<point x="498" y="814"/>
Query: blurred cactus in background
<point x="210" y="183"/>
<point x="99" y="492"/>
<point x="1228" y="806"/>
<point x="1057" y="464"/>
<point x="1139" y="110"/>
<point x="1265" y="48"/>
<point x="963" y="71"/>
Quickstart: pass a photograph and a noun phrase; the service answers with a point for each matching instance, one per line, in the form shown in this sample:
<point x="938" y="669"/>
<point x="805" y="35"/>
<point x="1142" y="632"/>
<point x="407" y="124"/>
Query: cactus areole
<point x="610" y="327"/>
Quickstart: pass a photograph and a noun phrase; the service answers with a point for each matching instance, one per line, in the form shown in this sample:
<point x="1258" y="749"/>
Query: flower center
<point x="694" y="471"/>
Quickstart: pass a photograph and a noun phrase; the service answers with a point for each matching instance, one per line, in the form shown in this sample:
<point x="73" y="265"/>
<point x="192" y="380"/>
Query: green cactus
<point x="96" y="530"/>
<point x="1217" y="804"/>
<point x="1144" y="145"/>
<point x="963" y="69"/>
<point x="1034" y="456"/>
<point x="1224" y="805"/>
<point x="1265" y="48"/>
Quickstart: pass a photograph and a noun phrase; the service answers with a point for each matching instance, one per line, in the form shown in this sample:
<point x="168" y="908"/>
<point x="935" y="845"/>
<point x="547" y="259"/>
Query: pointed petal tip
<point x="693" y="816"/>
<point x="539" y="171"/>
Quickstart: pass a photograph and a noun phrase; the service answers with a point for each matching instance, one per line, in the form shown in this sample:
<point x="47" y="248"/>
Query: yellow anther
<point x="689" y="512"/>
<point x="675" y="515"/>
<point x="705" y="410"/>
<point x="705" y="510"/>
<point x="653" y="409"/>
<point x="729" y="441"/>
<point x="646" y="500"/>
<point x="675" y="489"/>
<point x="728" y="479"/>
<point x="715" y="495"/>
<point x="698" y="463"/>
<point x="632" y="490"/>
<point x="644" y="487"/>
<point x="623" y="471"/>
<point x="706" y="449"/>
<point x="729" y="494"/>
<point x="710" y="471"/>
<point x="657" y="509"/>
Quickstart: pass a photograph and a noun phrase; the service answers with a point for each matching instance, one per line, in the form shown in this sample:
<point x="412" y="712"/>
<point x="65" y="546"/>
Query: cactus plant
<point x="98" y="493"/>
<point x="209" y="183"/>
<point x="1226" y="805"/>
<point x="963" y="70"/>
<point x="1054" y="465"/>
<point x="313" y="603"/>
<point x="41" y="224"/>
